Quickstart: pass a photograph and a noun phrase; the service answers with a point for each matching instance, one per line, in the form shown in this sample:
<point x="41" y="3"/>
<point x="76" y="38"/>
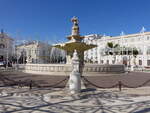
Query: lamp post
<point x="105" y="43"/>
<point x="23" y="56"/>
<point x="7" y="55"/>
<point x="121" y="35"/>
<point x="17" y="51"/>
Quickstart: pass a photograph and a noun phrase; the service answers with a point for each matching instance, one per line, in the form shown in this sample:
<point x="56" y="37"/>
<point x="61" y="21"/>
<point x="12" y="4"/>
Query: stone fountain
<point x="75" y="48"/>
<point x="74" y="66"/>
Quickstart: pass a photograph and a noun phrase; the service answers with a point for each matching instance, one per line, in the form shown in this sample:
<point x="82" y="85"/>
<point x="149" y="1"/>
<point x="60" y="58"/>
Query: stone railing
<point x="65" y="69"/>
<point x="97" y="69"/>
<point x="52" y="69"/>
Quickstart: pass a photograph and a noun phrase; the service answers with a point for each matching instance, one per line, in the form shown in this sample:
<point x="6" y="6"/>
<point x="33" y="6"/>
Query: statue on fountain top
<point x="75" y="33"/>
<point x="75" y="21"/>
<point x="75" y="28"/>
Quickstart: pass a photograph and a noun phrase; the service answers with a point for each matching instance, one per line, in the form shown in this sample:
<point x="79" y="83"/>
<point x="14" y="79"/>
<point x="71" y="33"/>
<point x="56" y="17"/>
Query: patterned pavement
<point x="23" y="100"/>
<point x="58" y="100"/>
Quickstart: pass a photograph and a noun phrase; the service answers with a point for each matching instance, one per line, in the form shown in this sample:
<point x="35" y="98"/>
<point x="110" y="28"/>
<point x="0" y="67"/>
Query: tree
<point x="135" y="53"/>
<point x="115" y="49"/>
<point x="112" y="50"/>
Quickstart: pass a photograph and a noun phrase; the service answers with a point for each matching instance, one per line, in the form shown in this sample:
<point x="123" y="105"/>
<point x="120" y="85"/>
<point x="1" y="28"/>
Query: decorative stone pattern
<point x="57" y="101"/>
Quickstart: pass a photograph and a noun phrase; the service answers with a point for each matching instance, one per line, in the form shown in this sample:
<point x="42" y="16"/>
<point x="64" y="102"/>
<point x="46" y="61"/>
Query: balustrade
<point x="67" y="68"/>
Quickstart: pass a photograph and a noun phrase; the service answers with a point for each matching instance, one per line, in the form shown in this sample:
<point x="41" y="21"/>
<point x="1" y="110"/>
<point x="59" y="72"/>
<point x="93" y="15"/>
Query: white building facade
<point x="6" y="47"/>
<point x="33" y="52"/>
<point x="91" y="56"/>
<point x="140" y="41"/>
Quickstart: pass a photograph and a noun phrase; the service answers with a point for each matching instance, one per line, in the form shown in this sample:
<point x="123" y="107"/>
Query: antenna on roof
<point x="142" y="30"/>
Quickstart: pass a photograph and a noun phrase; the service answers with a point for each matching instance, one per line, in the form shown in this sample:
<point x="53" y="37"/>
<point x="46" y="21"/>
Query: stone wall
<point x="65" y="69"/>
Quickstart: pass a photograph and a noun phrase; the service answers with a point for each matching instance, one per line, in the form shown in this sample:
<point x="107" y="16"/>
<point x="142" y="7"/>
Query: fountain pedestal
<point x="75" y="75"/>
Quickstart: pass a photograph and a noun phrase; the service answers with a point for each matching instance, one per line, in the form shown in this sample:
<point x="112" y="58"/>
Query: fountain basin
<point x="65" y="69"/>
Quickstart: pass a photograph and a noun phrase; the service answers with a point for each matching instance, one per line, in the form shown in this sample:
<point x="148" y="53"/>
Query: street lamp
<point x="7" y="54"/>
<point x="121" y="36"/>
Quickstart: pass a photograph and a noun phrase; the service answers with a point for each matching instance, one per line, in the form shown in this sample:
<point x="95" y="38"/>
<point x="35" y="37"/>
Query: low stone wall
<point x="97" y="69"/>
<point x="65" y="69"/>
<point x="50" y="69"/>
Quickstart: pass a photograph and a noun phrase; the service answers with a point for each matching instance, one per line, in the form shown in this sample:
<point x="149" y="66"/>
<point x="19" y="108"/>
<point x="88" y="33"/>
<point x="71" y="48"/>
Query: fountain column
<point x="75" y="80"/>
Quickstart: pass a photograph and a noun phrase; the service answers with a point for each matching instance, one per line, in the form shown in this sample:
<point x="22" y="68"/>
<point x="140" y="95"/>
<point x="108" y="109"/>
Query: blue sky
<point x="49" y="20"/>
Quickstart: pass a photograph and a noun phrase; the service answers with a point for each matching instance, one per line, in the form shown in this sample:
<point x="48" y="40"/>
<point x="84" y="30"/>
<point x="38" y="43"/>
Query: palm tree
<point x="112" y="49"/>
<point x="135" y="52"/>
<point x="131" y="51"/>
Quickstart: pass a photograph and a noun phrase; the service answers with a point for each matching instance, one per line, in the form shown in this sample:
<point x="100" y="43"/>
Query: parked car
<point x="2" y="64"/>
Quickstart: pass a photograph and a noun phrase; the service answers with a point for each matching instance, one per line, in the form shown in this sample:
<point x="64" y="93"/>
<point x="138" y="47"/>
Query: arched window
<point x="2" y="46"/>
<point x="148" y="50"/>
<point x="140" y="51"/>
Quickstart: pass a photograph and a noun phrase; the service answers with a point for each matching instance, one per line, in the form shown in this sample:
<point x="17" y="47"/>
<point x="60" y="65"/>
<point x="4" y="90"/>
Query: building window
<point x="107" y="61"/>
<point x="139" y="38"/>
<point x="32" y="60"/>
<point x="29" y="52"/>
<point x="2" y="46"/>
<point x="148" y="62"/>
<point x="148" y="50"/>
<point x="140" y="62"/>
<point x="113" y="61"/>
<point x="102" y="61"/>
<point x="140" y="51"/>
<point x="132" y="39"/>
<point x="35" y="51"/>
<point x="1" y="58"/>
<point x="36" y="60"/>
<point x="43" y="52"/>
<point x="148" y="37"/>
